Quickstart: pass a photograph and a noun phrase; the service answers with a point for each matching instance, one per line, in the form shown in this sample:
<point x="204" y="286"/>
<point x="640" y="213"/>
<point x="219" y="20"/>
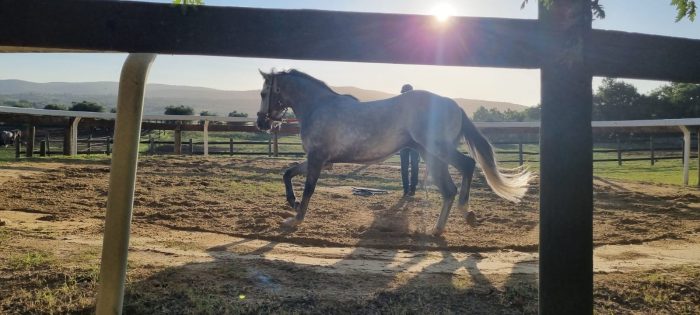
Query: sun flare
<point x="443" y="12"/>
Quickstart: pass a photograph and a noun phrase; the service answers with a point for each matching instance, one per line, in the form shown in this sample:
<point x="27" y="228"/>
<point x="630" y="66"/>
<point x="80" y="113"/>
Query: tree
<point x="55" y="107"/>
<point x="86" y="106"/>
<point x="684" y="8"/>
<point x="617" y="100"/>
<point x="236" y="113"/>
<point x="207" y="113"/>
<point x="677" y="100"/>
<point x="179" y="110"/>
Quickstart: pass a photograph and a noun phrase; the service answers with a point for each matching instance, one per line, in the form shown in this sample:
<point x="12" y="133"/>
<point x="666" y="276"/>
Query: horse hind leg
<point x="443" y="180"/>
<point x="465" y="165"/>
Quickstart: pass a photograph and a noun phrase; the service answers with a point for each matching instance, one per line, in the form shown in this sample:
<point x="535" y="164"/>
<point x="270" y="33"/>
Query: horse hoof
<point x="471" y="218"/>
<point x="291" y="222"/>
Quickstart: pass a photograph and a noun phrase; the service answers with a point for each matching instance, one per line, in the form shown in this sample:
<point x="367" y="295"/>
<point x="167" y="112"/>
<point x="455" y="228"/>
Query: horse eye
<point x="277" y="90"/>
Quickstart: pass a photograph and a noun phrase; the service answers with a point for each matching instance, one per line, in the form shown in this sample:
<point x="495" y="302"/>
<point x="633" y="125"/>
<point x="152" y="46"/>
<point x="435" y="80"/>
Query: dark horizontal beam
<point x="270" y="33"/>
<point x="325" y="35"/>
<point x="642" y="56"/>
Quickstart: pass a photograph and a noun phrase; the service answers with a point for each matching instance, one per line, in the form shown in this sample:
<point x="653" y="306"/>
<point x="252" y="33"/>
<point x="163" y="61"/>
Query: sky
<point x="226" y="73"/>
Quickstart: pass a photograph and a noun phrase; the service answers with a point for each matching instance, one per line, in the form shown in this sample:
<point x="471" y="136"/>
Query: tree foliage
<point x="179" y="110"/>
<point x="618" y="100"/>
<point x="236" y="113"/>
<point x="207" y="113"/>
<point x="684" y="8"/>
<point x="55" y="107"/>
<point x="86" y="106"/>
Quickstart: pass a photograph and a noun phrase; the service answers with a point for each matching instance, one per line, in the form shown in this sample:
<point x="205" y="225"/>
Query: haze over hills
<point x="158" y="96"/>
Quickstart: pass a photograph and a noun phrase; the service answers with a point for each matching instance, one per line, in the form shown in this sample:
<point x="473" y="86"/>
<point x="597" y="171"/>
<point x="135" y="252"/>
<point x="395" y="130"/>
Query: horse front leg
<point x="289" y="189"/>
<point x="313" y="171"/>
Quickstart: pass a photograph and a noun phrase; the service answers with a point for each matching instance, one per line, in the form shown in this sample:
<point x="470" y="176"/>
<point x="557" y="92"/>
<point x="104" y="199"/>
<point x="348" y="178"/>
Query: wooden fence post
<point x="42" y="148"/>
<point x="70" y="140"/>
<point x="89" y="144"/>
<point x="18" y="147"/>
<point x="205" y="137"/>
<point x="47" y="138"/>
<point x="686" y="154"/>
<point x="31" y="135"/>
<point x="230" y="146"/>
<point x="520" y="151"/>
<point x="275" y="144"/>
<point x="269" y="146"/>
<point x="619" y="151"/>
<point x="178" y="140"/>
<point x="651" y="149"/>
<point x="151" y="145"/>
<point x="191" y="147"/>
<point x="108" y="145"/>
<point x="566" y="164"/>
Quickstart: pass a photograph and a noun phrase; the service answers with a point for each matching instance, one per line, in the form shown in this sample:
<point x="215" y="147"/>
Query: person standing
<point x="409" y="156"/>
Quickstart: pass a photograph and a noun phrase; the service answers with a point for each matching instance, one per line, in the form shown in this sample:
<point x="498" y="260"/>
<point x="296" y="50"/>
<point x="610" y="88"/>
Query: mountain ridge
<point x="158" y="96"/>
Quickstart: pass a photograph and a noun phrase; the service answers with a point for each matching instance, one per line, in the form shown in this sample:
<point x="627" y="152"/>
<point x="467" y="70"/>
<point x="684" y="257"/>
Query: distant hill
<point x="158" y="96"/>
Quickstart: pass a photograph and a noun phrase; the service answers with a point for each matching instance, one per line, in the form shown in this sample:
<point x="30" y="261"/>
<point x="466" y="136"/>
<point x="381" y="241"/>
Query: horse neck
<point x="305" y="96"/>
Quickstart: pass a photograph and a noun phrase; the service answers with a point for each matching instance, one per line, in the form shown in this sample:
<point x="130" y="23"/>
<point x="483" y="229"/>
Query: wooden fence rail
<point x="102" y="145"/>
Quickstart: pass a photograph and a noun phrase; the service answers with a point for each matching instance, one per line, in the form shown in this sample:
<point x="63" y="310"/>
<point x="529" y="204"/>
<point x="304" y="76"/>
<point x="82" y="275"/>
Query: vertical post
<point x="89" y="144"/>
<point x="122" y="181"/>
<point x="18" y="147"/>
<point x="686" y="154"/>
<point x="275" y="144"/>
<point x="31" y="136"/>
<point x="47" y="138"/>
<point x="269" y="146"/>
<point x="108" y="145"/>
<point x="42" y="148"/>
<point x="651" y="149"/>
<point x="698" y="156"/>
<point x="151" y="145"/>
<point x="177" y="144"/>
<point x="206" y="137"/>
<point x="191" y="144"/>
<point x="230" y="146"/>
<point x="619" y="151"/>
<point x="520" y="151"/>
<point x="566" y="165"/>
<point x="71" y="141"/>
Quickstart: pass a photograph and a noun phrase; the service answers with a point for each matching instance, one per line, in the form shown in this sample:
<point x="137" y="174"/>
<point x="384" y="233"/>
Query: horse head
<point x="272" y="105"/>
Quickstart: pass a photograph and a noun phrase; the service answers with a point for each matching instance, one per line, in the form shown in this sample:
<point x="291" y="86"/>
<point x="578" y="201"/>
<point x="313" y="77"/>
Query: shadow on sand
<point x="363" y="281"/>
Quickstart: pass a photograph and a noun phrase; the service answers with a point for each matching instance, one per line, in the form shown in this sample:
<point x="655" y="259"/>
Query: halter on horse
<point x="338" y="128"/>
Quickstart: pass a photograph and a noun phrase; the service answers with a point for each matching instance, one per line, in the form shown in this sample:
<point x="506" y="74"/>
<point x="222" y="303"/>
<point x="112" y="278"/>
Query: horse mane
<point x="299" y="74"/>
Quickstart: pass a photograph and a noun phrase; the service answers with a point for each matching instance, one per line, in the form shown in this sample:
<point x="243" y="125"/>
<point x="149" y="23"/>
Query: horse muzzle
<point x="264" y="122"/>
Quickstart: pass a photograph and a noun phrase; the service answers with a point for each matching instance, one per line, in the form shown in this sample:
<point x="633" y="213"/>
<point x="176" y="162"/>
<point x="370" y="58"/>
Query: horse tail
<point x="510" y="185"/>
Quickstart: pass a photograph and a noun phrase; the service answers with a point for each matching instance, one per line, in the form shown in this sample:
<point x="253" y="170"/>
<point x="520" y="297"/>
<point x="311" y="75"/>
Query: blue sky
<point x="518" y="86"/>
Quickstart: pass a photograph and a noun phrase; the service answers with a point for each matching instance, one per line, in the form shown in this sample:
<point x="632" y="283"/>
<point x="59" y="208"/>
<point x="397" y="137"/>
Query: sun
<point x="442" y="12"/>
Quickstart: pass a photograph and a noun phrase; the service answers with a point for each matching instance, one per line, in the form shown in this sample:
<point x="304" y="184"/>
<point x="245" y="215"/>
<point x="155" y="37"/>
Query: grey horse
<point x="338" y="128"/>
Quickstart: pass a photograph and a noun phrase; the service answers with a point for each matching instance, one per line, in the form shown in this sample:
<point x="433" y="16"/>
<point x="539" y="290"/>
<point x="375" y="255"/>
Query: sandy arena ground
<point x="215" y="224"/>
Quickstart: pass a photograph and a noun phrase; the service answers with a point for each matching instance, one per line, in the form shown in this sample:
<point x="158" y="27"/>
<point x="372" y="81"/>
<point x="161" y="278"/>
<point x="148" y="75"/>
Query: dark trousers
<point x="409" y="156"/>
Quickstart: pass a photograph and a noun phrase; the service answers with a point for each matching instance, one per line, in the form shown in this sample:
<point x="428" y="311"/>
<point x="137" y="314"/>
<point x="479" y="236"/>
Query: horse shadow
<point x="364" y="280"/>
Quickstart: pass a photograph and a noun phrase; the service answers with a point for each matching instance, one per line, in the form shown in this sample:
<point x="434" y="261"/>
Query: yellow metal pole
<point x="122" y="180"/>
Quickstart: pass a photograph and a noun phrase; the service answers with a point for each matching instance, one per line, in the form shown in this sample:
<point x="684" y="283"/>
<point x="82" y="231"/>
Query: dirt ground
<point x="207" y="239"/>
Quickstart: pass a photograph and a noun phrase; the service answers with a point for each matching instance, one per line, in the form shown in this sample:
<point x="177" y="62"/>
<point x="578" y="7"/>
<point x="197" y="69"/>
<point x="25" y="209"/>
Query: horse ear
<point x="265" y="76"/>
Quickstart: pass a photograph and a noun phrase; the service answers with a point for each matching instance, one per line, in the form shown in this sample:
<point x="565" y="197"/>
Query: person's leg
<point x="415" y="170"/>
<point x="404" y="170"/>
